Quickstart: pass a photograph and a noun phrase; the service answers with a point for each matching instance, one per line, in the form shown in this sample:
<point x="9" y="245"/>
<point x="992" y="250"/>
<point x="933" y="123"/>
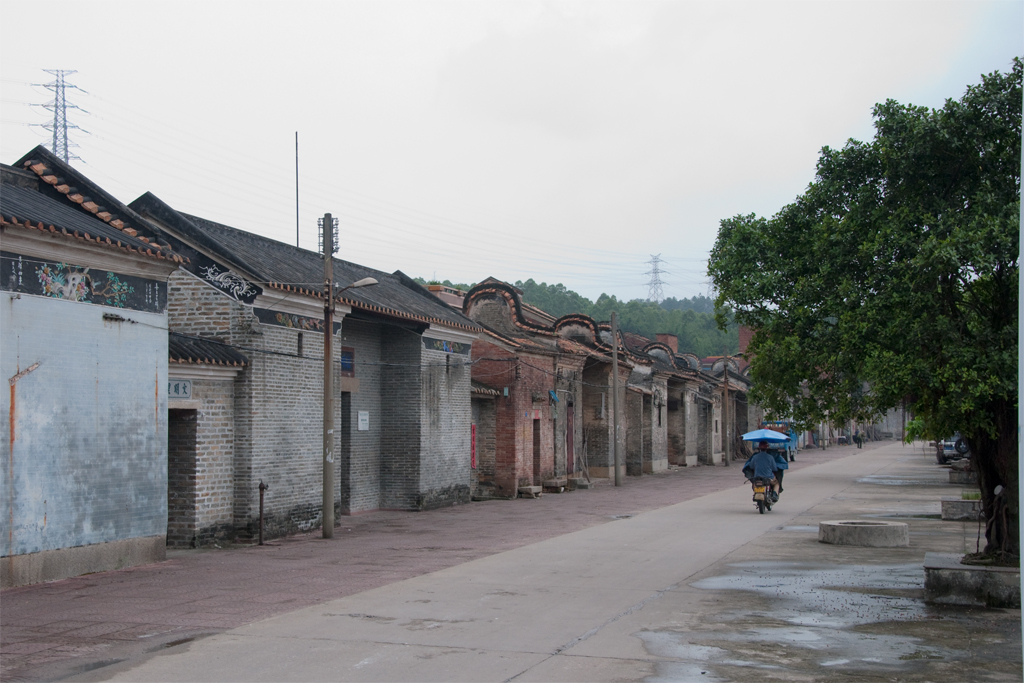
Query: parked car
<point x="952" y="448"/>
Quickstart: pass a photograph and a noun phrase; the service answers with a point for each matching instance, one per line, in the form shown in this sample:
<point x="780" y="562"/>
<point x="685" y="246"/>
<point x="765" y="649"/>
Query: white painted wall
<point x="87" y="460"/>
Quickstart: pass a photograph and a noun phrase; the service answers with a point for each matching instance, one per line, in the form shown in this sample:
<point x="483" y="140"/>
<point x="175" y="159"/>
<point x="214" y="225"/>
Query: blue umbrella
<point x="766" y="435"/>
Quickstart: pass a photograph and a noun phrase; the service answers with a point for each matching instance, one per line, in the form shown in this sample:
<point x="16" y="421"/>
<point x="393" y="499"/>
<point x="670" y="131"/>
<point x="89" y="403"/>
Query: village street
<point x="703" y="589"/>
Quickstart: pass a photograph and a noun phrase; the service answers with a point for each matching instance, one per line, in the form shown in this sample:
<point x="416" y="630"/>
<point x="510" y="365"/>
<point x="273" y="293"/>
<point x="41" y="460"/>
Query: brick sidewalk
<point x="53" y="630"/>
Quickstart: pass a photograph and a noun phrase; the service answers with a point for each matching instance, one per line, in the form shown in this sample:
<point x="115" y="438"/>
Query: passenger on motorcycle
<point x="781" y="465"/>
<point x="762" y="465"/>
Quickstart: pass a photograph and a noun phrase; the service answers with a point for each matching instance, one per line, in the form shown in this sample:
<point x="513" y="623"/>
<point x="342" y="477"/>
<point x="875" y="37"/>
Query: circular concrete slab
<point x="870" y="534"/>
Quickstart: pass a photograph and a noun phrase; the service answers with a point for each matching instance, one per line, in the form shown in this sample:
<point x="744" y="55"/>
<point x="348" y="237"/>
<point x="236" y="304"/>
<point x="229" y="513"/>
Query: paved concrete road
<point x="52" y="630"/>
<point x="702" y="590"/>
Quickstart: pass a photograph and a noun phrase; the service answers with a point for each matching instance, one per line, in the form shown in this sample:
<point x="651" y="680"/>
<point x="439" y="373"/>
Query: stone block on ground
<point x="555" y="485"/>
<point x="959" y="509"/>
<point x="962" y="478"/>
<point x="947" y="582"/>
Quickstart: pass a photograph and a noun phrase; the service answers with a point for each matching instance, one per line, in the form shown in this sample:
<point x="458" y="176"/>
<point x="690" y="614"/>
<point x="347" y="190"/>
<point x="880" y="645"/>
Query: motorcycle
<point x="762" y="494"/>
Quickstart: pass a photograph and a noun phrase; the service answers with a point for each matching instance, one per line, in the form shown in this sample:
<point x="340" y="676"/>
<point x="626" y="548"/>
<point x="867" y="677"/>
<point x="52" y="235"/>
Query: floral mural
<point x="64" y="281"/>
<point x="81" y="283"/>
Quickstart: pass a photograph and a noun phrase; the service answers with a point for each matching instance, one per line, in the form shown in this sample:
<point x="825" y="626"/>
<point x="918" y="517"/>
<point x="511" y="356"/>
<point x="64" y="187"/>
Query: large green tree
<point x="893" y="279"/>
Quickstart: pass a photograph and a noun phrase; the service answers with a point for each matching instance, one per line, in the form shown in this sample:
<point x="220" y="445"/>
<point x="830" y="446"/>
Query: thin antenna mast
<point x="296" y="188"/>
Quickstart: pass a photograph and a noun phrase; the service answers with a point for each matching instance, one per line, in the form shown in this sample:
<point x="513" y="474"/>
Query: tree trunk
<point x="994" y="458"/>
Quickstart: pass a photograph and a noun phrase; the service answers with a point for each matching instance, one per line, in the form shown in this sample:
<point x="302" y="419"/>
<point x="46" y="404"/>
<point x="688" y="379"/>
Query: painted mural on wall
<point x="446" y="346"/>
<point x="70" y="282"/>
<point x="298" y="322"/>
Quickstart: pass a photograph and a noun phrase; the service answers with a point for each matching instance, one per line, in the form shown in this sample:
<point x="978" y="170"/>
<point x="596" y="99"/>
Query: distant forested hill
<point x="692" y="320"/>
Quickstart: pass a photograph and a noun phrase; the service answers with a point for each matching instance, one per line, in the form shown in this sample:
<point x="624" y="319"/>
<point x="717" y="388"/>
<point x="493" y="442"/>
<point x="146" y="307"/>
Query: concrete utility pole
<point x="327" y="231"/>
<point x="615" y="399"/>
<point x="725" y="413"/>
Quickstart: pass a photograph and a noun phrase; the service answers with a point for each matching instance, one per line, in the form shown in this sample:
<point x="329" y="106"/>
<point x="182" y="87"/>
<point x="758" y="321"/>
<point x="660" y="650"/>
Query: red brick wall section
<point x="527" y="377"/>
<point x="746" y="334"/>
<point x="669" y="340"/>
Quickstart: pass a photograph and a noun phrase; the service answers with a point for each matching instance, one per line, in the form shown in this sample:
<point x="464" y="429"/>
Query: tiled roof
<point x="492" y="288"/>
<point x="84" y="198"/>
<point x="536" y="315"/>
<point x="184" y="349"/>
<point x="634" y="342"/>
<point x="276" y="265"/>
<point x="33" y="210"/>
<point x="529" y="325"/>
<point x="576" y="348"/>
<point x="520" y="342"/>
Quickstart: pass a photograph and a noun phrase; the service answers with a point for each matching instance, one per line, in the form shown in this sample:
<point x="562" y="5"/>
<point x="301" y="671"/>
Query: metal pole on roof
<point x="615" y="400"/>
<point x="296" y="188"/>
<point x="328" y="254"/>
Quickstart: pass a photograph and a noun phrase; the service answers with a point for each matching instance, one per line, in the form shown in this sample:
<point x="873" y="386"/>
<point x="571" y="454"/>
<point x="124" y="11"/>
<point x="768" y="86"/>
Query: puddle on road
<point x="820" y="595"/>
<point x="814" y="610"/>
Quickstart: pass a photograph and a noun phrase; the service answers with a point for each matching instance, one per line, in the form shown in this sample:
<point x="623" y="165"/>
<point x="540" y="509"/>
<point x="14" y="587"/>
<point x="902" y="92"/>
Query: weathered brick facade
<point x="538" y="430"/>
<point x="524" y="450"/>
<point x="485" y="421"/>
<point x="400" y="373"/>
<point x="598" y="423"/>
<point x="201" y="465"/>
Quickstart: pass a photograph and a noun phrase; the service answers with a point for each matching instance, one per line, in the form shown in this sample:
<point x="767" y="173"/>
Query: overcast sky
<point x="563" y="141"/>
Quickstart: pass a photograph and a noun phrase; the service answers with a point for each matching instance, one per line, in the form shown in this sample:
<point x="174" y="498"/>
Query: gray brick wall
<point x="214" y="463"/>
<point x="415" y="454"/>
<point x="401" y="419"/>
<point x="279" y="419"/>
<point x="200" y="487"/>
<point x="197" y="309"/>
<point x="445" y="419"/>
<point x="181" y="478"/>
<point x="359" y="463"/>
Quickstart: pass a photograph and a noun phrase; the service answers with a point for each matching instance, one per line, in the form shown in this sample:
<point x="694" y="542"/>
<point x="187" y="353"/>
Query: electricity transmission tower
<point x="59" y="127"/>
<point x="654" y="287"/>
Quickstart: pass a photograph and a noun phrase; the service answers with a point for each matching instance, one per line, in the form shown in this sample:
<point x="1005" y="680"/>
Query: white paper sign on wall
<point x="179" y="388"/>
<point x="364" y="420"/>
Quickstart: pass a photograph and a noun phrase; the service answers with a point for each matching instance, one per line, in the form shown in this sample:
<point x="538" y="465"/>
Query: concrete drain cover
<point x="864" y="533"/>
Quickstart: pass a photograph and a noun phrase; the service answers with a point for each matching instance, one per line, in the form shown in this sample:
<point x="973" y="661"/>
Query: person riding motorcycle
<point x="762" y="465"/>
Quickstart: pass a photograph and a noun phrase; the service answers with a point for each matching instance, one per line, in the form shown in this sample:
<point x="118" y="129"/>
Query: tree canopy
<point x="894" y="279"/>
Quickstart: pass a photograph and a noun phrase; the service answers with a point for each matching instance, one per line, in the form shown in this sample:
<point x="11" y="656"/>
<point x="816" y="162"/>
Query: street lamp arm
<point x="365" y="282"/>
